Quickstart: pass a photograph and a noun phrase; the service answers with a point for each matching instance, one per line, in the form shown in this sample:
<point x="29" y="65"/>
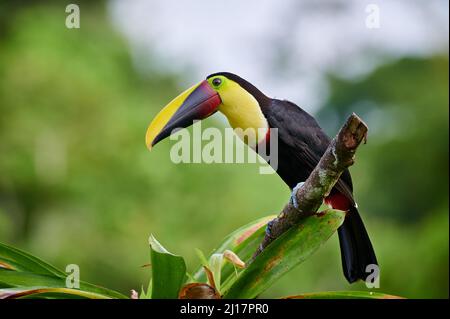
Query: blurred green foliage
<point x="77" y="184"/>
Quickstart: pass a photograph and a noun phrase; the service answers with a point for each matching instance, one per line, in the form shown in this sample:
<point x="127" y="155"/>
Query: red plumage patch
<point x="338" y="201"/>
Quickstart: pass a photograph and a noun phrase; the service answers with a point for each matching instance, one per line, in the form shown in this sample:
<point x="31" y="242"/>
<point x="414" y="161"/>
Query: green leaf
<point x="245" y="251"/>
<point x="19" y="260"/>
<point x="286" y="252"/>
<point x="27" y="292"/>
<point x="242" y="242"/>
<point x="236" y="238"/>
<point x="201" y="256"/>
<point x="344" y="295"/>
<point x="168" y="271"/>
<point x="18" y="279"/>
<point x="215" y="264"/>
<point x="148" y="294"/>
<point x="19" y="269"/>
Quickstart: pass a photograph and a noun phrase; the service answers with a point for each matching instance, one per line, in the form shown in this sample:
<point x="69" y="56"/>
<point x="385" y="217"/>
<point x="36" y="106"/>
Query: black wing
<point x="302" y="143"/>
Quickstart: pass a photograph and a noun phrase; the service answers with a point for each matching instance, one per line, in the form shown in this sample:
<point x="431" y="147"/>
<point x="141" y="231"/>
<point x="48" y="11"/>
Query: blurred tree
<point x="71" y="106"/>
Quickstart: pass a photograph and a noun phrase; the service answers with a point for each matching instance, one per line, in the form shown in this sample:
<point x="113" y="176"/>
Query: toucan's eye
<point x="216" y="82"/>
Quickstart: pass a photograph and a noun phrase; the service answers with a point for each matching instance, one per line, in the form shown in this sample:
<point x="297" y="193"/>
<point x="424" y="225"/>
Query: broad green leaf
<point x="16" y="259"/>
<point x="26" y="279"/>
<point x="344" y="295"/>
<point x="168" y="271"/>
<point x="286" y="252"/>
<point x="242" y="242"/>
<point x="238" y="236"/>
<point x="27" y="292"/>
<point x="245" y="251"/>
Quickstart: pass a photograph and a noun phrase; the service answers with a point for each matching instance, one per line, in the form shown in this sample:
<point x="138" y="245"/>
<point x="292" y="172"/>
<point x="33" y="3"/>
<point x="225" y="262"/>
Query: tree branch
<point x="338" y="156"/>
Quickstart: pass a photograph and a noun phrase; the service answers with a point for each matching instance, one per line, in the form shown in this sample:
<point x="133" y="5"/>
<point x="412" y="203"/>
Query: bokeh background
<point x="77" y="184"/>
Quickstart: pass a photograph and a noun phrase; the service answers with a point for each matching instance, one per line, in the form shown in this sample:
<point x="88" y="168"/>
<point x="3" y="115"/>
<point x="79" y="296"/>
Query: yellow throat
<point x="243" y="112"/>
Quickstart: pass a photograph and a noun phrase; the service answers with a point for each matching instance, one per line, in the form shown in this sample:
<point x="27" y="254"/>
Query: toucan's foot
<point x="269" y="228"/>
<point x="293" y="199"/>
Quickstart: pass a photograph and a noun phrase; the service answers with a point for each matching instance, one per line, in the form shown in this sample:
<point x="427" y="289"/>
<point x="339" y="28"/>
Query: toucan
<point x="301" y="143"/>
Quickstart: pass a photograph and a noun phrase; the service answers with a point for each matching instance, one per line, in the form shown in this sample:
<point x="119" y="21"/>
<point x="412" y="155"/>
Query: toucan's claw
<point x="269" y="228"/>
<point x="293" y="199"/>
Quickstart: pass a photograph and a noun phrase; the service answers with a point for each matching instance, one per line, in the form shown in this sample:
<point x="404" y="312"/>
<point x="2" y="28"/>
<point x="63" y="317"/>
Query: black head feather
<point x="262" y="99"/>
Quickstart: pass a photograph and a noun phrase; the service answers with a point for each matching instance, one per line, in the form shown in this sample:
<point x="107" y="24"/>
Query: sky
<point x="285" y="47"/>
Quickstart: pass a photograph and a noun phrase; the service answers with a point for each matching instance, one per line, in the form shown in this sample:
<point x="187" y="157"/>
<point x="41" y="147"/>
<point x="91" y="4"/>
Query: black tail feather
<point x="356" y="249"/>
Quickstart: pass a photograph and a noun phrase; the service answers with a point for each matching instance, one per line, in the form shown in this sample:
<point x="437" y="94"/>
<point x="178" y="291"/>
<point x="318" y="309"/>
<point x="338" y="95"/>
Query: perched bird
<point x="301" y="143"/>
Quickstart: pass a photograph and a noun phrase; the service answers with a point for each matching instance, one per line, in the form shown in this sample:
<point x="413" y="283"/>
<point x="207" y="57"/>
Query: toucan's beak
<point x="196" y="103"/>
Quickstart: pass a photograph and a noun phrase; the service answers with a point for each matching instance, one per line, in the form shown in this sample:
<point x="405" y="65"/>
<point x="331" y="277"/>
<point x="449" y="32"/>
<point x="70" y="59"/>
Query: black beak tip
<point x="157" y="139"/>
<point x="166" y="132"/>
